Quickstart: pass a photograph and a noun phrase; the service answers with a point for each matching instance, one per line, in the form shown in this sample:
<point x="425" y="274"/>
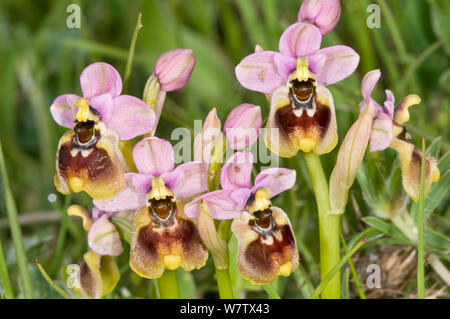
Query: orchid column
<point x="302" y="115"/>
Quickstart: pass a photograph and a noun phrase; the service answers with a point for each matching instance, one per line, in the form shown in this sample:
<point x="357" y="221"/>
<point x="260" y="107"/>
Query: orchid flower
<point x="162" y="236"/>
<point x="267" y="246"/>
<point x="98" y="274"/>
<point x="88" y="156"/>
<point x="302" y="115"/>
<point x="389" y="131"/>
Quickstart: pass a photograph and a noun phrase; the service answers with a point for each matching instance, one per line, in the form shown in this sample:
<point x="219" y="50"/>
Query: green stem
<point x="16" y="232"/>
<point x="51" y="282"/>
<point x="420" y="250"/>
<point x="224" y="283"/>
<point x="168" y="285"/>
<point x="129" y="66"/>
<point x="271" y="292"/>
<point x="362" y="295"/>
<point x="329" y="228"/>
<point x="335" y="270"/>
<point x="4" y="276"/>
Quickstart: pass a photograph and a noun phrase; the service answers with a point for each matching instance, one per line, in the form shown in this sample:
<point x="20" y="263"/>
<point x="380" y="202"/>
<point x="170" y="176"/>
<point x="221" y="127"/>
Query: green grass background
<point x="40" y="58"/>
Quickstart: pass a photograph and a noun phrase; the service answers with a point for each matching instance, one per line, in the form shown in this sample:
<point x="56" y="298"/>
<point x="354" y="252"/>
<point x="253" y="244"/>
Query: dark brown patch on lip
<point x="288" y="122"/>
<point x="263" y="257"/>
<point x="416" y="163"/>
<point x="87" y="280"/>
<point x="185" y="233"/>
<point x="95" y="166"/>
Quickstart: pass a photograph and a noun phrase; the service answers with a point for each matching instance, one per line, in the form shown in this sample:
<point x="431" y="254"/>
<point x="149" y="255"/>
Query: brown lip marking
<point x="87" y="280"/>
<point x="96" y="165"/>
<point x="289" y="123"/>
<point x="184" y="233"/>
<point x="264" y="258"/>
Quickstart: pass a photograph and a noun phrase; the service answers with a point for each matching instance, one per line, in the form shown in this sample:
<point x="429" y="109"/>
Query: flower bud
<point x="324" y="14"/>
<point x="242" y="126"/>
<point x="349" y="159"/>
<point x="208" y="233"/>
<point x="155" y="97"/>
<point x="174" y="68"/>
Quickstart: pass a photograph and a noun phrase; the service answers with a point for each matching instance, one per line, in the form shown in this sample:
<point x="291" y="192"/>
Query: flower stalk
<point x="168" y="285"/>
<point x="329" y="228"/>
<point x="420" y="221"/>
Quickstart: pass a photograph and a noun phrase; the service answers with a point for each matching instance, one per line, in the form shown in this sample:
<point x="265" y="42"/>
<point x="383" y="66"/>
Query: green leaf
<point x="124" y="227"/>
<point x="384" y="227"/>
<point x="436" y="239"/>
<point x="444" y="162"/>
<point x="435" y="147"/>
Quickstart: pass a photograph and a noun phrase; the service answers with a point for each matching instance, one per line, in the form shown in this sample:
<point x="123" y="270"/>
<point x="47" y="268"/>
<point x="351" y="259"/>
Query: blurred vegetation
<point x="42" y="58"/>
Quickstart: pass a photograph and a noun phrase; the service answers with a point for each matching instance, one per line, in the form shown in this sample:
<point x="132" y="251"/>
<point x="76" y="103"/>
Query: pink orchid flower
<point x="88" y="156"/>
<point x="302" y="115"/>
<point x="267" y="246"/>
<point x="162" y="235"/>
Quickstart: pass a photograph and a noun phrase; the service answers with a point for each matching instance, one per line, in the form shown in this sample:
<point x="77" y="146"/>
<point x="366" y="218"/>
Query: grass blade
<point x="16" y="233"/>
<point x="129" y="66"/>
<point x="51" y="282"/>
<point x="420" y="249"/>
<point x="335" y="269"/>
<point x="4" y="276"/>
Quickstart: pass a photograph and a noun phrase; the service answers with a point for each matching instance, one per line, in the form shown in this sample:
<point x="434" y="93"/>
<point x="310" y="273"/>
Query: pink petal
<point x="103" y="238"/>
<point x="97" y="213"/>
<point x="242" y="126"/>
<point x="132" y="197"/>
<point x="174" y="68"/>
<point x="300" y="39"/>
<point x="130" y="117"/>
<point x="153" y="156"/>
<point x="389" y="103"/>
<point x="264" y="71"/>
<point x="276" y="179"/>
<point x="341" y="61"/>
<point x="187" y="180"/>
<point x="63" y="111"/>
<point x="222" y="204"/>
<point x="103" y="104"/>
<point x="382" y="133"/>
<point x="368" y="83"/>
<point x="100" y="78"/>
<point x="237" y="171"/>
